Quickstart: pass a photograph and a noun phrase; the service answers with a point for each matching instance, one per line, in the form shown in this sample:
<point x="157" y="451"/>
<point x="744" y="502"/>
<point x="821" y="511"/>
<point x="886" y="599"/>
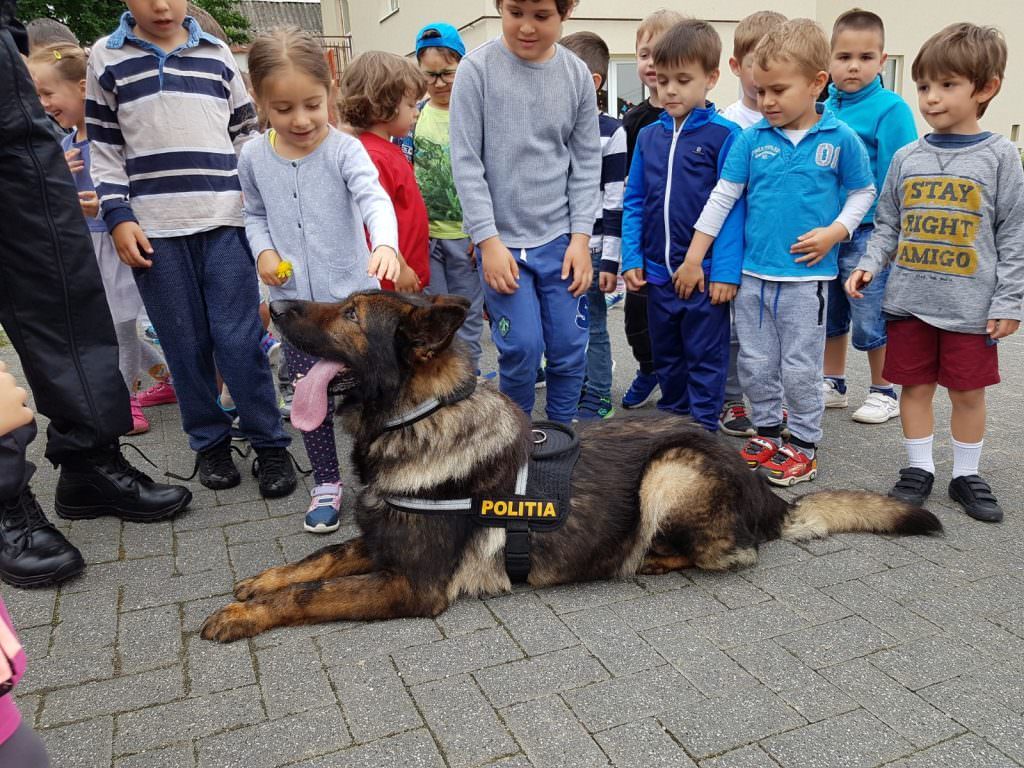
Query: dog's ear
<point x="451" y="300"/>
<point x="430" y="329"/>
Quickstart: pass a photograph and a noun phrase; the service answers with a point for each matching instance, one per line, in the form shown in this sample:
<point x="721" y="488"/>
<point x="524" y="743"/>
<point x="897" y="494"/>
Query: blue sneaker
<point x="592" y="407"/>
<point x="641" y="391"/>
<point x="323" y="513"/>
<point x="612" y="300"/>
<point x="150" y="333"/>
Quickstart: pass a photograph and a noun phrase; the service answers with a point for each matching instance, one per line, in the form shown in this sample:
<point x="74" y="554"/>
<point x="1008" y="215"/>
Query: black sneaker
<point x="274" y="470"/>
<point x="216" y="469"/>
<point x="914" y="486"/>
<point x="32" y="552"/>
<point x="734" y="420"/>
<point x="975" y="495"/>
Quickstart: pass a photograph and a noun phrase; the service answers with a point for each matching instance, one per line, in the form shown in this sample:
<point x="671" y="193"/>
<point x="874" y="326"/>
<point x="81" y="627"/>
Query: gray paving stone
<point x="749" y="624"/>
<point x="267" y="745"/>
<point x="745" y="757"/>
<point x="447" y="658"/>
<point x="292" y="679"/>
<point x="226" y="512"/>
<point x="30" y="608"/>
<point x="609" y="638"/>
<point x="119" y="694"/>
<point x="998" y="725"/>
<point x="730" y="589"/>
<point x="956" y="753"/>
<point x="918" y="579"/>
<point x="62" y="671"/>
<point x="197" y="611"/>
<point x="664" y="582"/>
<point x="462" y="721"/>
<point x="88" y="621"/>
<point x="551" y="736"/>
<point x="414" y="749"/>
<point x="926" y="661"/>
<point x="819" y="701"/>
<point x="987" y="637"/>
<point x="147" y="540"/>
<point x="149" y="638"/>
<point x="837" y="641"/>
<point x="651" y="692"/>
<point x="890" y="553"/>
<point x="264" y="530"/>
<point x="188" y="719"/>
<point x="464" y="617"/>
<point x="516" y="761"/>
<point x="254" y="557"/>
<point x="199" y="550"/>
<point x="376" y="702"/>
<point x="667" y="608"/>
<point x="180" y="756"/>
<point x="540" y="676"/>
<point x="532" y="624"/>
<point x="82" y="745"/>
<point x="643" y="744"/>
<point x="774" y="666"/>
<point x="711" y="727"/>
<point x="216" y="667"/>
<point x="709" y="669"/>
<point x="882" y="611"/>
<point x="780" y="552"/>
<point x="789" y="588"/>
<point x="854" y="740"/>
<point x="176" y="589"/>
<point x="592" y="594"/>
<point x="109" y="576"/>
<point x="28" y="705"/>
<point x="376" y="639"/>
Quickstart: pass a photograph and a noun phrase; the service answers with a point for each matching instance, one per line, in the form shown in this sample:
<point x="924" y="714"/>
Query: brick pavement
<point x="854" y="651"/>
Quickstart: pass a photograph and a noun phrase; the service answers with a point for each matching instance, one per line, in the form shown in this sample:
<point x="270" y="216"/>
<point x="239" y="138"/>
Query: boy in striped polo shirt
<point x="167" y="111"/>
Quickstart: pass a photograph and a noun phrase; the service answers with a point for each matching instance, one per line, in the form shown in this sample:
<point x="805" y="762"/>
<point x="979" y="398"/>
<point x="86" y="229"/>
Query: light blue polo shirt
<point x="793" y="189"/>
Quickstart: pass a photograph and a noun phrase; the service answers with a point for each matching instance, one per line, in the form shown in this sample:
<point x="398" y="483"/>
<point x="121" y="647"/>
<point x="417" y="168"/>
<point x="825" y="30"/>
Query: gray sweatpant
<point x="781" y="328"/>
<point x="453" y="271"/>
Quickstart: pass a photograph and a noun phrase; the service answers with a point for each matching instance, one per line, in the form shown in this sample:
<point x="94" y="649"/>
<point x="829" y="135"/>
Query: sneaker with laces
<point x="592" y="407"/>
<point x="914" y="486"/>
<point x="734" y="420"/>
<point x="789" y="466"/>
<point x="324" y="509"/>
<point x="641" y="391"/>
<point x="833" y="397"/>
<point x="217" y="471"/>
<point x="275" y="472"/>
<point x="757" y="451"/>
<point x="271" y="347"/>
<point x="542" y="379"/>
<point x="878" y="408"/>
<point x="612" y="300"/>
<point x="976" y="497"/>
<point x="140" y="424"/>
<point x="161" y="393"/>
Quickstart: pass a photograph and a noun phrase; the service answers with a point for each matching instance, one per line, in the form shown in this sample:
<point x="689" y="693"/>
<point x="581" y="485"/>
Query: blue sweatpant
<point x="202" y="298"/>
<point x="540" y="318"/>
<point x="690" y="345"/>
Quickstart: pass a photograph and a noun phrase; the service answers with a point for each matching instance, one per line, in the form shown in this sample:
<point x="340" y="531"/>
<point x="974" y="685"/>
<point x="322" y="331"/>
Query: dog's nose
<point x="282" y="307"/>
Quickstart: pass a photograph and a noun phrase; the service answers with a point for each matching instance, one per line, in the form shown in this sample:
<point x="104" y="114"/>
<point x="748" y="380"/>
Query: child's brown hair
<point x="374" y="85"/>
<point x="283" y="48"/>
<point x="657" y="23"/>
<point x="562" y="6"/>
<point x="69" y="60"/>
<point x="751" y="29"/>
<point x="799" y="41"/>
<point x="861" y="21"/>
<point x="592" y="50"/>
<point x="691" y="40"/>
<point x="967" y="50"/>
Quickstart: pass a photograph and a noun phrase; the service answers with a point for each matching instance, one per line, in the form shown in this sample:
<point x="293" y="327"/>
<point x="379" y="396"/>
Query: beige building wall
<point x="375" y="25"/>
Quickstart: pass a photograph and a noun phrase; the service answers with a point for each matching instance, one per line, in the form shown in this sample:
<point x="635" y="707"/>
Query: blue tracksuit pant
<point x="690" y="345"/>
<point x="541" y="318"/>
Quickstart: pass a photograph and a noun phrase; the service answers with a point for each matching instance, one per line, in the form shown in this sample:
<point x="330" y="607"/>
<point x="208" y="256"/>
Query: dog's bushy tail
<point x="819" y="514"/>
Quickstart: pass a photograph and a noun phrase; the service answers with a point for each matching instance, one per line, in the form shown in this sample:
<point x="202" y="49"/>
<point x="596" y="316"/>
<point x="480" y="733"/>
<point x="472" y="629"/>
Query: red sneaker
<point x="161" y="393"/>
<point x="789" y="466"/>
<point x="140" y="423"/>
<point x="757" y="451"/>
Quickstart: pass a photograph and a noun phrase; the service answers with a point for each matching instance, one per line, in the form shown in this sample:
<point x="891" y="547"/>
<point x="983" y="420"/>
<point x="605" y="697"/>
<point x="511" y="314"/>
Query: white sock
<point x="966" y="457"/>
<point x="919" y="452"/>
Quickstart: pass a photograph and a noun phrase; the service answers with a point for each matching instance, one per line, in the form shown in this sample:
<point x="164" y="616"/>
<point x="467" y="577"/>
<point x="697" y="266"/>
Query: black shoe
<point x="976" y="497"/>
<point x="32" y="552"/>
<point x="104" y="483"/>
<point x="216" y="469"/>
<point x="914" y="486"/>
<point x="275" y="472"/>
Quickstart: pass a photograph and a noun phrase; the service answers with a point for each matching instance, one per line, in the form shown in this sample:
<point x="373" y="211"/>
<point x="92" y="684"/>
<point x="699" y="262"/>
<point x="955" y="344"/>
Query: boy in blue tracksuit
<point x="676" y="163"/>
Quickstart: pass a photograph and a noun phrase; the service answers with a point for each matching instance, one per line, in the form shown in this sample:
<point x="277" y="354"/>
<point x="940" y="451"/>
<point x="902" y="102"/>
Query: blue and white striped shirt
<point x="608" y="226"/>
<point x="165" y="129"/>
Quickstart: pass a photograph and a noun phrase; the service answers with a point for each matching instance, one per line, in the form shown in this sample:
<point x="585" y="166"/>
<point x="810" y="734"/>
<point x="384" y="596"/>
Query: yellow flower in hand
<point x="284" y="271"/>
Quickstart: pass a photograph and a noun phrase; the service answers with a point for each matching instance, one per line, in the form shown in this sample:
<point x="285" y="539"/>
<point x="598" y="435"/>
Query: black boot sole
<point x="93" y="511"/>
<point x="38" y="581"/>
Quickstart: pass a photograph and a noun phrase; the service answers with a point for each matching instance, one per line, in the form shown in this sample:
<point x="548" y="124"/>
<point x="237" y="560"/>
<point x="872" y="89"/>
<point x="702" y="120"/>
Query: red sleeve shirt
<point x="399" y="181"/>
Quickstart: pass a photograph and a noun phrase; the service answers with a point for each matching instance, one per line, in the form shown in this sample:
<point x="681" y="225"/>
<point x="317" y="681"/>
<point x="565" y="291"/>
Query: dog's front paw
<point x="247" y="589"/>
<point x="232" y="622"/>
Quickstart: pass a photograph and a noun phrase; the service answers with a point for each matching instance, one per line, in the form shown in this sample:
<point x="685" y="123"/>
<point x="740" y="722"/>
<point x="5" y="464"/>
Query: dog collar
<point x="430" y="406"/>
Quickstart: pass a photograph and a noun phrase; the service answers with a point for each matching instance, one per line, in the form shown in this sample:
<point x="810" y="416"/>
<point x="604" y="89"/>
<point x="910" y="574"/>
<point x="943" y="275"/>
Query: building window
<point x="388" y="8"/>
<point x="624" y="87"/>
<point x="892" y="72"/>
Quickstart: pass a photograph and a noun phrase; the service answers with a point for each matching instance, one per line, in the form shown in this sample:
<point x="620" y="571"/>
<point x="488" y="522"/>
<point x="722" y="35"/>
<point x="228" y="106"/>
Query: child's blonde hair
<point x="374" y="85"/>
<point x="967" y="50"/>
<point x="799" y="41"/>
<point x="751" y="29"/>
<point x="657" y="23"/>
<point x="69" y="60"/>
<point x="287" y="47"/>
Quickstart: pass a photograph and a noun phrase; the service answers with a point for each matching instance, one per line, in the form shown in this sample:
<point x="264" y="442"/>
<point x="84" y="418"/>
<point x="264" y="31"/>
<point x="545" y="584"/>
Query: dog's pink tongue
<point x="309" y="406"/>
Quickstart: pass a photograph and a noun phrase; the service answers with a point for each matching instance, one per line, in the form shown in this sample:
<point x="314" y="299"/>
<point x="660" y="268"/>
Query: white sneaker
<point x="833" y="397"/>
<point x="877" y="409"/>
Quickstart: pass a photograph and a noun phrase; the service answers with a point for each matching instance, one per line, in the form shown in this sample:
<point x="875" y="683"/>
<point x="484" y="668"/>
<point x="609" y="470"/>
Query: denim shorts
<point x="865" y="315"/>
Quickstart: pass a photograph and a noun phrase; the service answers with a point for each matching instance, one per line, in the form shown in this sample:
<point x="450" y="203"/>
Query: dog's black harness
<point x="541" y="500"/>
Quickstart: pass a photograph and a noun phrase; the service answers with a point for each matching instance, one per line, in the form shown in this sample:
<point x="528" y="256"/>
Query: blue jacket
<point x="883" y="121"/>
<point x="670" y="180"/>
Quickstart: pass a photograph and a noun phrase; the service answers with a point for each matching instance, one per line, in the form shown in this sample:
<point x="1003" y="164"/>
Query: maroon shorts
<point x="918" y="353"/>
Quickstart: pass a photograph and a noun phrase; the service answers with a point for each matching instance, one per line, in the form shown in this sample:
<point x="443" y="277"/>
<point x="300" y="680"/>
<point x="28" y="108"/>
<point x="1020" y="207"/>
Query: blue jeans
<point x="202" y="298"/>
<point x="540" y="318"/>
<point x="865" y="314"/>
<point x="599" y="347"/>
<point x="452" y="270"/>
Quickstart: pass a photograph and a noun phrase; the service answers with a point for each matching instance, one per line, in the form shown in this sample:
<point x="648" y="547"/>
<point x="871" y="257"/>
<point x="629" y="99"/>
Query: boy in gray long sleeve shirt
<point x="526" y="156"/>
<point x="951" y="219"/>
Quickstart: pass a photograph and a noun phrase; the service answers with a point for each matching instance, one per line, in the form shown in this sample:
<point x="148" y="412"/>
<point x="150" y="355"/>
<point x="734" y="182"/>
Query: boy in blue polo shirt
<point x="795" y="166"/>
<point x="676" y="163"/>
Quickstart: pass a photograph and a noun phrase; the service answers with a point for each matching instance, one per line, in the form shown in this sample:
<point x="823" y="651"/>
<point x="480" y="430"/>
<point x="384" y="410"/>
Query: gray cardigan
<point x="312" y="211"/>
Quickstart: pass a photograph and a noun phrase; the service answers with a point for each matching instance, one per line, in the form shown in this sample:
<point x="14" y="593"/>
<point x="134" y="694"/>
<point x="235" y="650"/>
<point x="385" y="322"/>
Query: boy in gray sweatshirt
<point x="526" y="156"/>
<point x="951" y="220"/>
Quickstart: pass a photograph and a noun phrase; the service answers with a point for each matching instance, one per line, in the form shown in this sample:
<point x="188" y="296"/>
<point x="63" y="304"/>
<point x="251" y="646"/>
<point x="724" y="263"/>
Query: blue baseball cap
<point x="447" y="37"/>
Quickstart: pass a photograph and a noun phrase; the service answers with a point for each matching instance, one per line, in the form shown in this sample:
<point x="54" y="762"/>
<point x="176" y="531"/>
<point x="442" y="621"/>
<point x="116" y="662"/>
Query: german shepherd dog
<point x="650" y="494"/>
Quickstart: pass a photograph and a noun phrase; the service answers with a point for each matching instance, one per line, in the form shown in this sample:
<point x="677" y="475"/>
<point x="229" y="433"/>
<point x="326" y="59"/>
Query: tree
<point x="235" y="25"/>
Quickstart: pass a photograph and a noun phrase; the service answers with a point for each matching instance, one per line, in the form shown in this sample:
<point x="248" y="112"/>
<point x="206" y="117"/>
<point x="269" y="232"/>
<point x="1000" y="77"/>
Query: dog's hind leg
<point x="380" y="595"/>
<point x="346" y="559"/>
<point x="657" y="564"/>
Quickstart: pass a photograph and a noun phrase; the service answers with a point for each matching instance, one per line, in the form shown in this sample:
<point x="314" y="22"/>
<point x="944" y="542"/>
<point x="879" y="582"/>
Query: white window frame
<point x="390" y="8"/>
<point x="893" y="64"/>
<point x="613" y="81"/>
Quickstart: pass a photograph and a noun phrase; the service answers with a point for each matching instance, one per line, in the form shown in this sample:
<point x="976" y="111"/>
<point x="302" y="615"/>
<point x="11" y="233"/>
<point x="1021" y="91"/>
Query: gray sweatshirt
<point x="951" y="221"/>
<point x="525" y="146"/>
<point x="312" y="211"/>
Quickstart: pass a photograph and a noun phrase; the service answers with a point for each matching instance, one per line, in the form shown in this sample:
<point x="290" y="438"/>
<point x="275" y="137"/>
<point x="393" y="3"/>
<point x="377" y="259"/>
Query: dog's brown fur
<point x="650" y="494"/>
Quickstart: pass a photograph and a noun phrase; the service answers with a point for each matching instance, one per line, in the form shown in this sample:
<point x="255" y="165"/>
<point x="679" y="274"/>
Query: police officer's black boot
<point x="104" y="483"/>
<point x="32" y="552"/>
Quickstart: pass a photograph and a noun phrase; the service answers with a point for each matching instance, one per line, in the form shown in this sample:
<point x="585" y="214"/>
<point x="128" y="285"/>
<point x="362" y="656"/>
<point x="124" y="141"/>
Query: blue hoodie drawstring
<point x="775" y="306"/>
